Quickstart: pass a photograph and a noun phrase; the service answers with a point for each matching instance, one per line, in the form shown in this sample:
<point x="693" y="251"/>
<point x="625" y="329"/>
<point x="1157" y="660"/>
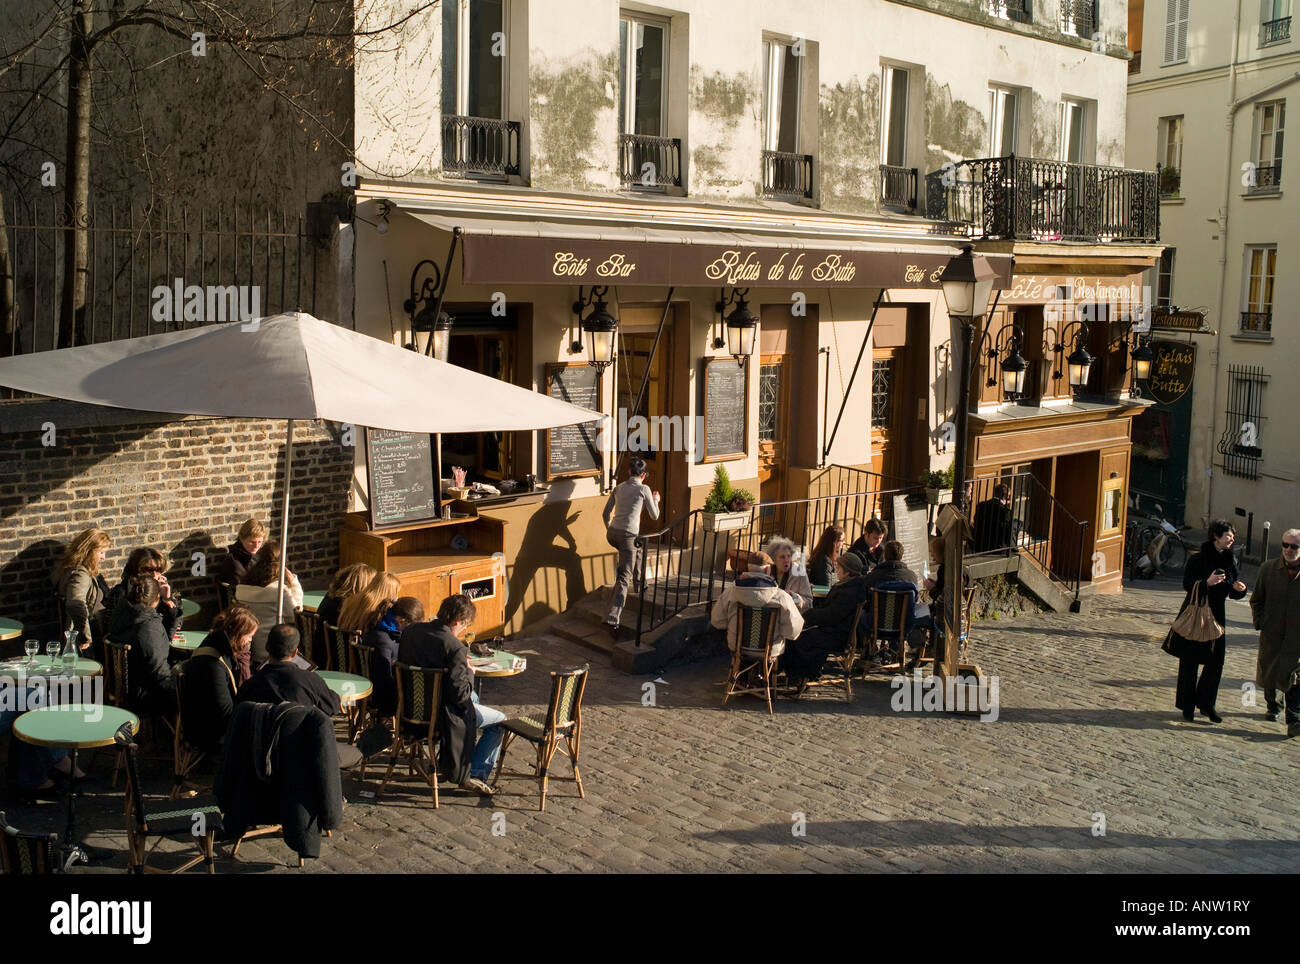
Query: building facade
<point x="1208" y="102"/>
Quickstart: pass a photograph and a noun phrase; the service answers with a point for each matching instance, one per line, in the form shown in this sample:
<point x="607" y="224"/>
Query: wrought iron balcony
<point x="1275" y="31"/>
<point x="898" y="187"/>
<point x="479" y="146"/>
<point x="649" y="162"/>
<point x="1268" y="179"/>
<point x="1020" y="11"/>
<point x="787" y="176"/>
<point x="1024" y="199"/>
<point x="1257" y="322"/>
<point x="1078" y="17"/>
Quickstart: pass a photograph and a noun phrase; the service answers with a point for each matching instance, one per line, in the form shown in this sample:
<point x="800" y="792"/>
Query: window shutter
<point x="1180" y="52"/>
<point x="1171" y="30"/>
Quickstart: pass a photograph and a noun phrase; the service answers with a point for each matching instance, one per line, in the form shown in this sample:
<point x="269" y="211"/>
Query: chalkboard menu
<point x="911" y="527"/>
<point x="573" y="450"/>
<point x="726" y="396"/>
<point x="403" y="487"/>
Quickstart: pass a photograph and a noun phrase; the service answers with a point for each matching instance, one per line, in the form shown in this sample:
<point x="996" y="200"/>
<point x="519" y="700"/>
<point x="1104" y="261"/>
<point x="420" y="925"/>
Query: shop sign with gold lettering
<point x="1172" y="370"/>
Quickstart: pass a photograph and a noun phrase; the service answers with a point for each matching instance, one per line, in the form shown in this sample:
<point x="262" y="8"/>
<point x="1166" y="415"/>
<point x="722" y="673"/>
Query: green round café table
<point x="349" y="687"/>
<point x="189" y="607"/>
<point x="10" y="628"/>
<point x="44" y="666"/>
<point x="188" y="640"/>
<point x="312" y="598"/>
<point x="76" y="726"/>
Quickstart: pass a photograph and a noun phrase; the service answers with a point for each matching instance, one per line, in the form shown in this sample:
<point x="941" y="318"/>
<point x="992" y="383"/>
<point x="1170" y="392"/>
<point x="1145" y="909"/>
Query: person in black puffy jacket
<point x="151" y="688"/>
<point x="1215" y="570"/>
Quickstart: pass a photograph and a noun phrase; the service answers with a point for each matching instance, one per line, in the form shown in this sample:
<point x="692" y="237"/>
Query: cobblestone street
<point x="1087" y="727"/>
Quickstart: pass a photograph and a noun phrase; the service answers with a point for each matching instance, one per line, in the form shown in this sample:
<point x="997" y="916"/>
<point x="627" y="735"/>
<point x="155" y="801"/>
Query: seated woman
<point x="348" y="581"/>
<point x="213" y="674"/>
<point x="151" y="687"/>
<point x="81" y="588"/>
<point x="362" y="611"/>
<point x="795" y="583"/>
<point x="240" y="553"/>
<point x="826" y="628"/>
<point x="821" y="564"/>
<point x="262" y="592"/>
<point x="385" y="637"/>
<point x="148" y="561"/>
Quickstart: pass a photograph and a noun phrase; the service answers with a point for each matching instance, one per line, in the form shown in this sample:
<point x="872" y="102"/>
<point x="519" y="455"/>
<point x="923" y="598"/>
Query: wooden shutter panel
<point x="1171" y="30"/>
<point x="1183" y="15"/>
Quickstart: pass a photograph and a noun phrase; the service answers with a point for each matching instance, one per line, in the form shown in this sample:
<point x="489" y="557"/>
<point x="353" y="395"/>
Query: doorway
<point x="659" y="439"/>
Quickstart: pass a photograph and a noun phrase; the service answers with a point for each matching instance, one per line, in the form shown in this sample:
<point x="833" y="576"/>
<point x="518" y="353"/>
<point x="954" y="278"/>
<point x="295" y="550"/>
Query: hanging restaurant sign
<point x="504" y="259"/>
<point x="1172" y="369"/>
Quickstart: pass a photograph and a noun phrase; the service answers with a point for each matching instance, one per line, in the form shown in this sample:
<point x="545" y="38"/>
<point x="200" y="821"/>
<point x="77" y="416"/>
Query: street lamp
<point x="742" y="326"/>
<point x="430" y="325"/>
<point x="599" y="328"/>
<point x="1143" y="356"/>
<point x="1078" y="365"/>
<point x="1013" y="373"/>
<point x="967" y="282"/>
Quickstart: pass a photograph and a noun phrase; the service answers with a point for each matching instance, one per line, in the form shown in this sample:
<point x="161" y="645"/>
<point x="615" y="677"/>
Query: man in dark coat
<point x="1275" y="609"/>
<point x="136" y="622"/>
<point x="466" y="759"/>
<point x="281" y="681"/>
<point x="871" y="544"/>
<point x="991" y="528"/>
<point x="891" y="569"/>
<point x="826" y="628"/>
<point x="1215" y="569"/>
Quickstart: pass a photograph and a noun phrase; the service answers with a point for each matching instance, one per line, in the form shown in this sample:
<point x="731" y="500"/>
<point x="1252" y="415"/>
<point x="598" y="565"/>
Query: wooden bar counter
<point x="428" y="559"/>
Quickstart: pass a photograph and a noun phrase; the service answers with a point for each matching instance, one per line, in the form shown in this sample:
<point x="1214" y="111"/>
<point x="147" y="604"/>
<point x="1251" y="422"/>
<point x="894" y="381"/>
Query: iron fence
<point x="1274" y="31"/>
<point x="662" y="154"/>
<point x="898" y="186"/>
<point x="787" y="176"/>
<point x="482" y="146"/>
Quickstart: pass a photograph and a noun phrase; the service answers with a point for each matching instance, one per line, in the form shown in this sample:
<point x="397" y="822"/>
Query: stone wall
<point x="183" y="486"/>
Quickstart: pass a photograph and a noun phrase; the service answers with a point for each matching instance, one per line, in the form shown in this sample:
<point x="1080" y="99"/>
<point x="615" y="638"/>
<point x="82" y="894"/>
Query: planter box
<point x="938" y="496"/>
<point x="725" y="521"/>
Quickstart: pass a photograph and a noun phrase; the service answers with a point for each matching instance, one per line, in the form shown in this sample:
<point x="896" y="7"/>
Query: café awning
<point x="501" y="251"/>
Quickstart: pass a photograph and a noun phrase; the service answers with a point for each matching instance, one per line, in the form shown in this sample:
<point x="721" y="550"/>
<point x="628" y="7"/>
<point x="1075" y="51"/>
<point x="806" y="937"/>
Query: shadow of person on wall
<point x="34" y="606"/>
<point x="539" y="550"/>
<point x="181" y="565"/>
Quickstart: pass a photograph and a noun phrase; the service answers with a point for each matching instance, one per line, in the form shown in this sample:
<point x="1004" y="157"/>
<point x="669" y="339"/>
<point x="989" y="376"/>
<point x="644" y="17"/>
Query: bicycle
<point x="1171" y="549"/>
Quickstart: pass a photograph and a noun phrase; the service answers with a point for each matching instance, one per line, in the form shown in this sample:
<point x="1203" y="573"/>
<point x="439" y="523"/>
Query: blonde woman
<point x="240" y="553"/>
<point x="795" y="583"/>
<point x="363" y="611"/>
<point x="81" y="587"/>
<point x="348" y="581"/>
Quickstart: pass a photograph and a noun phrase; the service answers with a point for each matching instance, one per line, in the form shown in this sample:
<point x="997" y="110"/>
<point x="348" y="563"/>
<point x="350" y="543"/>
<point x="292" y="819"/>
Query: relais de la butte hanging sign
<point x="502" y="259"/>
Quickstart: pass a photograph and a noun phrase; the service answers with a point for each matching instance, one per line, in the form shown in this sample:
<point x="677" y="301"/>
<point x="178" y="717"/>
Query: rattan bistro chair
<point x="752" y="659"/>
<point x="309" y="629"/>
<point x="24" y="852"/>
<point x="185" y="755"/>
<point x="197" y="820"/>
<point x="225" y="595"/>
<point x="419" y="694"/>
<point x="561" y="730"/>
<point x="891" y="610"/>
<point x="838" y="670"/>
<point x="338" y="648"/>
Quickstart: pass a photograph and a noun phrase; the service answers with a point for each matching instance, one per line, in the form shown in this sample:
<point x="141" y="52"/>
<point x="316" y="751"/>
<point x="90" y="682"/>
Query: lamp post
<point x="967" y="282"/>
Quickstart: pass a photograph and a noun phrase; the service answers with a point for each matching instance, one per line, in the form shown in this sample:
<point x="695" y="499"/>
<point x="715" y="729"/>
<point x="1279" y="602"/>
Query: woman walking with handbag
<point x="1211" y="577"/>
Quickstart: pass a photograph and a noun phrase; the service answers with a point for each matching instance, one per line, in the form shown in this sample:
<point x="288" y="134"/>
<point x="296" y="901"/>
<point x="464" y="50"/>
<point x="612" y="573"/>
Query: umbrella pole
<point x="284" y="521"/>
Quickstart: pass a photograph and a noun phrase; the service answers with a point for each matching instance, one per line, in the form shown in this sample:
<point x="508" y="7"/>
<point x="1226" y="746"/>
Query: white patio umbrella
<point x="289" y="366"/>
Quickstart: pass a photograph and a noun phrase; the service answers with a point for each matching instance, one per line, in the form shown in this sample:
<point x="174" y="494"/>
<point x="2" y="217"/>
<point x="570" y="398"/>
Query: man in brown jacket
<point x="1275" y="609"/>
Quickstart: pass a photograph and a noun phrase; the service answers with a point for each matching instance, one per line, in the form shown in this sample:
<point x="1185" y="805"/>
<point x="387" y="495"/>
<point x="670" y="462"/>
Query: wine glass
<point x="498" y="644"/>
<point x="31" y="647"/>
<point x="52" y="651"/>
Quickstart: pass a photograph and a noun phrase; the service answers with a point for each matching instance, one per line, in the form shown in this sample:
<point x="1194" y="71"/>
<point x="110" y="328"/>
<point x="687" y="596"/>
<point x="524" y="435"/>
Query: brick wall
<point x="182" y="486"/>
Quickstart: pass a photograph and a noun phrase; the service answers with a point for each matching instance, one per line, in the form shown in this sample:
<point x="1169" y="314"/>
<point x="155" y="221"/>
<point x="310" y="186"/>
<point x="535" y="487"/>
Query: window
<point x="882" y="392"/>
<point x="1003" y="116"/>
<point x="1243" y="428"/>
<point x="473" y="58"/>
<point x="1165" y="279"/>
<point x="894" y="121"/>
<point x="1171" y="142"/>
<point x="1274" y="22"/>
<point x="1112" y="505"/>
<point x="485" y="344"/>
<point x="1261" y="264"/>
<point x="1074" y="134"/>
<point x="1176" y="15"/>
<point x="643" y="73"/>
<point x="1270" y="119"/>
<point x="781" y="89"/>
<point x="769" y="402"/>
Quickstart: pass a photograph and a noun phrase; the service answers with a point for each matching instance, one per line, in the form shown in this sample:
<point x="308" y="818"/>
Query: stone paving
<point x="1087" y="727"/>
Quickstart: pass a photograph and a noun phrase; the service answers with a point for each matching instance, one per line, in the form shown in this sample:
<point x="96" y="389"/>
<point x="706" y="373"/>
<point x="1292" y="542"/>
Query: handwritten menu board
<point x="911" y="527"/>
<point x="403" y="487"/>
<point x="573" y="450"/>
<point x="725" y="397"/>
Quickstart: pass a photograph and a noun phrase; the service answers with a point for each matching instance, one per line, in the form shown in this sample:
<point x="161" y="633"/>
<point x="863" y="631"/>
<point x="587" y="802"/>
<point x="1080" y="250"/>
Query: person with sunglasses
<point x="1275" y="612"/>
<point x="1214" y="568"/>
<point x="148" y="561"/>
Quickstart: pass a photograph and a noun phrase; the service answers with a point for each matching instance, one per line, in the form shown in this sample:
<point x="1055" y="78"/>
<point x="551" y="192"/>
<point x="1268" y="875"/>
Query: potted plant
<point x="726" y="508"/>
<point x="938" y="486"/>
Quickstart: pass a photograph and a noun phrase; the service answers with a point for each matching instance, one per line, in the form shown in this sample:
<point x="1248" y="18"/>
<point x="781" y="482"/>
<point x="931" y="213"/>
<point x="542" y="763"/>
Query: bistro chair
<point x="24" y="852"/>
<point x="838" y="670"/>
<point x="115" y="680"/>
<point x="225" y="595"/>
<point x="419" y="694"/>
<point x="309" y="629"/>
<point x="561" y="730"/>
<point x="891" y="610"/>
<point x="198" y="821"/>
<point x="338" y="648"/>
<point x="185" y="756"/>
<point x="366" y="714"/>
<point x="753" y="655"/>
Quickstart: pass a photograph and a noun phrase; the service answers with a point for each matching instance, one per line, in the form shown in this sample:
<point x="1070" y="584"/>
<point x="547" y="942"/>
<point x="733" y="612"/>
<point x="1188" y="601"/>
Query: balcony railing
<point x="787" y="176"/>
<point x="898" y="187"/>
<point x="1023" y="199"/>
<point x="1020" y="11"/>
<point x="1275" y="31"/>
<point x="649" y="162"/>
<point x="1135" y="64"/>
<point x="1268" y="178"/>
<point x="1257" y="322"/>
<point x="1078" y="17"/>
<point x="479" y="146"/>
